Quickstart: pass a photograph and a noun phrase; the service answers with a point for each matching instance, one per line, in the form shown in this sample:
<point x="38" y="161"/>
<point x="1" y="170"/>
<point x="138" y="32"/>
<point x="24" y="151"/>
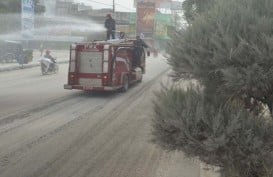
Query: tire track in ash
<point x="115" y="111"/>
<point x="22" y="114"/>
<point x="40" y="111"/>
<point x="106" y="120"/>
<point x="45" y="112"/>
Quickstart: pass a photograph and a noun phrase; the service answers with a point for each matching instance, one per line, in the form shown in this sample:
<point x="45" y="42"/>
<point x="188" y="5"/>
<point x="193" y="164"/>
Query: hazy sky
<point x="121" y="5"/>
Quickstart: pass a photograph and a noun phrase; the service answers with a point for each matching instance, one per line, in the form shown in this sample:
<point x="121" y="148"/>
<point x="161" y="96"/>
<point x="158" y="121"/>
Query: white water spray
<point x="46" y="27"/>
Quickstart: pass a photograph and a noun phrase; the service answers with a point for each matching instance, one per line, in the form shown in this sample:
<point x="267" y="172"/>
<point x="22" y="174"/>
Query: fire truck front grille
<point x="90" y="82"/>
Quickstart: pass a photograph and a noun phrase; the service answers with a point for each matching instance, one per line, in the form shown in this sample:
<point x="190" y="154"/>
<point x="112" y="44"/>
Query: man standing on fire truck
<point x="110" y="25"/>
<point x="138" y="50"/>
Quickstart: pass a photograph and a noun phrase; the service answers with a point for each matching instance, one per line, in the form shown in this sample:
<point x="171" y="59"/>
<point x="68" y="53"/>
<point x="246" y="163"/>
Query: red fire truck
<point x="103" y="65"/>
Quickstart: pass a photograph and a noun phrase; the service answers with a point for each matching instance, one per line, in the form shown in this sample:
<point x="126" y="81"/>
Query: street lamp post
<point x="113" y="6"/>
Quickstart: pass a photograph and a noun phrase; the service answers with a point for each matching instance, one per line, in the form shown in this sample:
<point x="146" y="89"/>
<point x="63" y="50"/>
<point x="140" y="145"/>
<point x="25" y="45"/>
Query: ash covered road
<point x="46" y="131"/>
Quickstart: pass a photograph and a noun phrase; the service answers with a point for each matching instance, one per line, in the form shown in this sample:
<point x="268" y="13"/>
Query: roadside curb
<point x="26" y="66"/>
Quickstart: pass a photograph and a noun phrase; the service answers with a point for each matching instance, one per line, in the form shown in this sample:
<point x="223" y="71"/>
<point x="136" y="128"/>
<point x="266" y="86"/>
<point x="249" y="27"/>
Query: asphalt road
<point x="46" y="131"/>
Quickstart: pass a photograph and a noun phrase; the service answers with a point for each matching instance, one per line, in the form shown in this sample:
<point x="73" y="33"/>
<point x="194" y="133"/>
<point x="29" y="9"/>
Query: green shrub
<point x="229" y="49"/>
<point x="221" y="134"/>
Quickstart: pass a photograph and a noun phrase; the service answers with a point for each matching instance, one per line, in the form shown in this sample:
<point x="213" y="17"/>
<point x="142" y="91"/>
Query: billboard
<point x="145" y="18"/>
<point x="27" y="18"/>
<point x="161" y="27"/>
<point x="158" y="3"/>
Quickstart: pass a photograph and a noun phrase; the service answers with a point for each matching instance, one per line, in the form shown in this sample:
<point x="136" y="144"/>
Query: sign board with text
<point x="158" y="3"/>
<point x="27" y="18"/>
<point x="145" y="18"/>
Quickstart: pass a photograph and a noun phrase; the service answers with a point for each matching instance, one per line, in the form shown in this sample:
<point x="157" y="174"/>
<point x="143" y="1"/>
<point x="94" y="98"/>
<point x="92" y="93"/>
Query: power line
<point x="124" y="6"/>
<point x="100" y="3"/>
<point x="111" y="5"/>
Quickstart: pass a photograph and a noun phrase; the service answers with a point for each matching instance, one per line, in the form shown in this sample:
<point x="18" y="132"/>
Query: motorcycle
<point x="48" y="63"/>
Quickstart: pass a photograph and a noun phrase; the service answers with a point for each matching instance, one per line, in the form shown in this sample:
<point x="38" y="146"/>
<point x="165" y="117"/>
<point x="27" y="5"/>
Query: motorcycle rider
<point x="51" y="62"/>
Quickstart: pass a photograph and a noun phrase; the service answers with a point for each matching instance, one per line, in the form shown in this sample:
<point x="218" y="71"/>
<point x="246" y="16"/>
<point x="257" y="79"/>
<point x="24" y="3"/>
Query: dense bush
<point x="229" y="49"/>
<point x="193" y="8"/>
<point x="221" y="134"/>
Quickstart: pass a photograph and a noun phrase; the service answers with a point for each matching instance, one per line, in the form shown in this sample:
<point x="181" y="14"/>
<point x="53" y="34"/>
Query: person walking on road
<point x="110" y="25"/>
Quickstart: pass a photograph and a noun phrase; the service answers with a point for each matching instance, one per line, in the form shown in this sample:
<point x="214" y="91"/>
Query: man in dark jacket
<point x="138" y="50"/>
<point x="110" y="26"/>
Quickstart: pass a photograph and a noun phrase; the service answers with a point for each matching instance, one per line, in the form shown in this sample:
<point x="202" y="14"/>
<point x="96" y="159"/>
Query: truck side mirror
<point x="148" y="53"/>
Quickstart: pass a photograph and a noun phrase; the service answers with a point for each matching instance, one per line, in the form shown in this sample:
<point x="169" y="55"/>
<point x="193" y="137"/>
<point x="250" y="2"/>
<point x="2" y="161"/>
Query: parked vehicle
<point x="12" y="51"/>
<point x="103" y="65"/>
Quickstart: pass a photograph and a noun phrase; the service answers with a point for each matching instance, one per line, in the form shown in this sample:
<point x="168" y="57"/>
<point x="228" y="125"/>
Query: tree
<point x="10" y="12"/>
<point x="14" y="6"/>
<point x="228" y="48"/>
<point x="192" y="8"/>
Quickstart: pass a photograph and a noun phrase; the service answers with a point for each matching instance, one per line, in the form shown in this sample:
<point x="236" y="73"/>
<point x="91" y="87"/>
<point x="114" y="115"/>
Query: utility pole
<point x="113" y="6"/>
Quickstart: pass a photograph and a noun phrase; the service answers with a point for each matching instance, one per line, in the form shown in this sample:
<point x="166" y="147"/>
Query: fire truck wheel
<point x="125" y="84"/>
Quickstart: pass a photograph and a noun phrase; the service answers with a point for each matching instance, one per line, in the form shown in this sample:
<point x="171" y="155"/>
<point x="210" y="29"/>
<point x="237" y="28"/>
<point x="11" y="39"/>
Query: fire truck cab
<point x="103" y="65"/>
